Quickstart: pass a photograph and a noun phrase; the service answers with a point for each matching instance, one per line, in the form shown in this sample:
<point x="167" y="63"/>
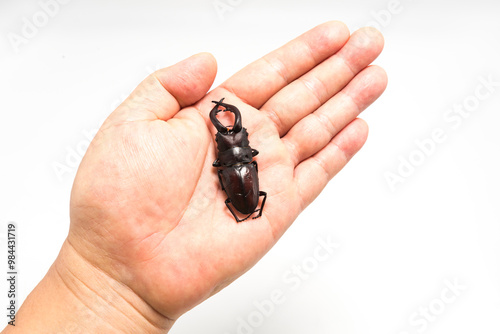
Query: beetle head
<point x="230" y="139"/>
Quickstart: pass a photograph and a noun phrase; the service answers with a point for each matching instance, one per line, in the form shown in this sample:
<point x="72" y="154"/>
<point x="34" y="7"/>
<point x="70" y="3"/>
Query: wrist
<point x="75" y="296"/>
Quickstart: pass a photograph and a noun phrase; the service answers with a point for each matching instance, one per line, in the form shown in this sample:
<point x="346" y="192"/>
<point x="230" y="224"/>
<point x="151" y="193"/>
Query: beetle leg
<point x="216" y="163"/>
<point x="261" y="193"/>
<point x="219" y="172"/>
<point x="254" y="152"/>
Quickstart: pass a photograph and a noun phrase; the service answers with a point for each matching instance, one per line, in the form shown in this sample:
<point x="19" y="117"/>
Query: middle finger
<point x="313" y="89"/>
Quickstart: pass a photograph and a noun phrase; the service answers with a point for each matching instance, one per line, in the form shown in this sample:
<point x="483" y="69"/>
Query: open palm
<point x="146" y="205"/>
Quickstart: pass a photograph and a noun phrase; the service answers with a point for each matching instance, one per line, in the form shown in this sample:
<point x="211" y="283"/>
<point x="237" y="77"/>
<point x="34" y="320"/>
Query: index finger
<point x="259" y="81"/>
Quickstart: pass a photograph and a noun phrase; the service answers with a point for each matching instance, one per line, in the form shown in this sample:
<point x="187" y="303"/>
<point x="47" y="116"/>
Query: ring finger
<point x="313" y="89"/>
<point x="317" y="129"/>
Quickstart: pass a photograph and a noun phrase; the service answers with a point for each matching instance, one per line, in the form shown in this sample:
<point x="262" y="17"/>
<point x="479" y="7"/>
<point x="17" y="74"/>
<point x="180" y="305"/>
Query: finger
<point x="316" y="130"/>
<point x="162" y="94"/>
<point x="310" y="91"/>
<point x="313" y="174"/>
<point x="257" y="82"/>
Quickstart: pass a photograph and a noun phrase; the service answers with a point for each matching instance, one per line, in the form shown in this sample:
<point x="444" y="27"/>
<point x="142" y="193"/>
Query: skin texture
<point x="150" y="235"/>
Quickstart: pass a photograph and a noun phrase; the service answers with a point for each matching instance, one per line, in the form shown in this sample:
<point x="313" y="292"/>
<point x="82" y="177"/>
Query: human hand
<point x="147" y="210"/>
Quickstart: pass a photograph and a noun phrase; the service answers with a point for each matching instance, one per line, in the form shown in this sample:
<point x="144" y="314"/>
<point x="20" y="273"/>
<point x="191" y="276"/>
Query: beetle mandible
<point x="237" y="170"/>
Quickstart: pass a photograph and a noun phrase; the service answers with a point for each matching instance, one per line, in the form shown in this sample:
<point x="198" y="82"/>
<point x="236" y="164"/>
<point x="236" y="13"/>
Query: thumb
<point x="163" y="93"/>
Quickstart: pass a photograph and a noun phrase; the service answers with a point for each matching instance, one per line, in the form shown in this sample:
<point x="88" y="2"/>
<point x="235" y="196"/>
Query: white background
<point x="398" y="247"/>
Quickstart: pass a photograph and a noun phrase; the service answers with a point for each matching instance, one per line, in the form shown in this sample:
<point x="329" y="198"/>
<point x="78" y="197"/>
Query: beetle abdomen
<point x="242" y="186"/>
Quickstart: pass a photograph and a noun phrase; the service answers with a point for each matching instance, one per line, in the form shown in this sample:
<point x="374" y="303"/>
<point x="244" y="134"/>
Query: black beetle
<point x="236" y="168"/>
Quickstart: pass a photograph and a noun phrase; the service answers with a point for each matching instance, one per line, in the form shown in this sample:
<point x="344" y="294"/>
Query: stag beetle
<point x="236" y="170"/>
